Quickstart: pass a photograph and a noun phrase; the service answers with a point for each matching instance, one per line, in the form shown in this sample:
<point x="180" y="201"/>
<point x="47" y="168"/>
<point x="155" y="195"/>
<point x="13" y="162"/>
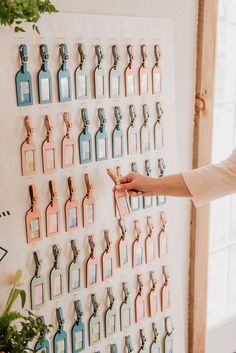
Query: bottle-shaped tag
<point x="48" y="148"/>
<point x="132" y="132"/>
<point x="128" y="344"/>
<point x="88" y="204"/>
<point x="85" y="139"/>
<point x="123" y="244"/>
<point x="78" y="329"/>
<point x="71" y="208"/>
<point x="140" y="311"/>
<point x="56" y="275"/>
<point x="81" y="75"/>
<point x="162" y="236"/>
<point x="42" y="344"/>
<point x="156" y="343"/>
<point x="147" y="200"/>
<point x="120" y="196"/>
<point x="92" y="264"/>
<point x="33" y="220"/>
<point x="37" y="285"/>
<point x="168" y="340"/>
<point x="95" y="324"/>
<point x="113" y="348"/>
<point x="24" y="91"/>
<point x="60" y="342"/>
<point x="75" y="270"/>
<point x="114" y="75"/>
<point x="101" y="144"/>
<point x="99" y="74"/>
<point x="110" y="315"/>
<point x="156" y="74"/>
<point x="44" y="77"/>
<point x="125" y="308"/>
<point x="145" y="134"/>
<point x="165" y="291"/>
<point x="28" y="150"/>
<point x="143" y="346"/>
<point x="149" y="241"/>
<point x="135" y="201"/>
<point x="143" y="73"/>
<point x="153" y="297"/>
<point x="137" y="247"/>
<point x="107" y="258"/>
<point x="158" y="128"/>
<point x="118" y="135"/>
<point x="68" y="145"/>
<point x="161" y="199"/>
<point x="63" y="76"/>
<point x="52" y="212"/>
<point x="129" y="74"/>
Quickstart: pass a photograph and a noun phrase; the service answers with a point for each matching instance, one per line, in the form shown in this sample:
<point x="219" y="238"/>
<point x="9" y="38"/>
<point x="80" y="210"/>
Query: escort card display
<point x="101" y="135"/>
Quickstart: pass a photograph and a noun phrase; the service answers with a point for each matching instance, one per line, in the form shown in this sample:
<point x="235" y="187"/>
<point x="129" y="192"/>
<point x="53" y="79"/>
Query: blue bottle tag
<point x="78" y="330"/>
<point x="44" y="77"/>
<point x="147" y="200"/>
<point x="63" y="76"/>
<point x="60" y="342"/>
<point x="24" y="91"/>
<point x="118" y="135"/>
<point x="135" y="201"/>
<point x="85" y="140"/>
<point x="161" y="199"/>
<point x="42" y="345"/>
<point x="101" y="138"/>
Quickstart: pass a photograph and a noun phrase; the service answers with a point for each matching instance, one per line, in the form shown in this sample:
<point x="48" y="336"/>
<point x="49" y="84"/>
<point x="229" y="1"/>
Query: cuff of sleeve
<point x="195" y="186"/>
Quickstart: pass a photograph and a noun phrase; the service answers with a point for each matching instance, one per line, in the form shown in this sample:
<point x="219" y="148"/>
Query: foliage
<point x="15" y="12"/>
<point x="18" y="330"/>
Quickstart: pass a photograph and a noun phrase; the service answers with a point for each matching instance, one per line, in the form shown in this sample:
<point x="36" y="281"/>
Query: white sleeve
<point x="212" y="181"/>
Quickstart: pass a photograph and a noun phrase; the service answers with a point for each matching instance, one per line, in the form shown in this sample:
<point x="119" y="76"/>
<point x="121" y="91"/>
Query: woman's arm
<point x="137" y="184"/>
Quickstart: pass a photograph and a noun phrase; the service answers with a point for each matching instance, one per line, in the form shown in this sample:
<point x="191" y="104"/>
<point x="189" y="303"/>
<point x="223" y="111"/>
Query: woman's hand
<point x="136" y="184"/>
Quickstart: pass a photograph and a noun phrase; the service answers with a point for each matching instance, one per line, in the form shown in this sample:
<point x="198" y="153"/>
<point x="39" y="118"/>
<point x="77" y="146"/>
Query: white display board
<point x="14" y="195"/>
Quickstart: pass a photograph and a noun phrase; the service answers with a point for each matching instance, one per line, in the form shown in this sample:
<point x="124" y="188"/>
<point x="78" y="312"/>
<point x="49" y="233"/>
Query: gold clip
<point x="28" y="127"/>
<point x="111" y="297"/>
<point x="163" y="220"/>
<point x="88" y="184"/>
<point x="130" y="54"/>
<point x="166" y="273"/>
<point x="67" y="122"/>
<point x="153" y="279"/>
<point x="95" y="304"/>
<point x="150" y="225"/>
<point x="122" y="227"/>
<point x="143" y="54"/>
<point x="137" y="229"/>
<point x="126" y="291"/>
<point x="92" y="245"/>
<point x="140" y="284"/>
<point x="33" y="196"/>
<point x="112" y="175"/>
<point x="53" y="192"/>
<point x="107" y="238"/>
<point x="72" y="188"/>
<point x="157" y="54"/>
<point x="48" y="126"/>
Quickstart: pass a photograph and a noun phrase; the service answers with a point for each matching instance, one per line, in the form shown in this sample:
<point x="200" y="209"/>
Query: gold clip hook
<point x="122" y="227"/>
<point x="130" y="54"/>
<point x="95" y="304"/>
<point x="67" y="122"/>
<point x="28" y="127"/>
<point x="157" y="54"/>
<point x="137" y="229"/>
<point x="92" y="245"/>
<point x="153" y="279"/>
<point x="49" y="127"/>
<point x="163" y="220"/>
<point x="107" y="239"/>
<point x="115" y="56"/>
<point x="88" y="184"/>
<point x="33" y="196"/>
<point x="166" y="274"/>
<point x="111" y="296"/>
<point x="53" y="192"/>
<point x="155" y="331"/>
<point x="150" y="225"/>
<point x="125" y="290"/>
<point x="143" y="54"/>
<point x="99" y="53"/>
<point x="82" y="54"/>
<point x="140" y="284"/>
<point x="112" y="175"/>
<point x="72" y="188"/>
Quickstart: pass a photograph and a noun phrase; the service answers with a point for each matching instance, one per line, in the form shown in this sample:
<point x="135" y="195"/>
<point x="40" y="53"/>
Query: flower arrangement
<point x="18" y="330"/>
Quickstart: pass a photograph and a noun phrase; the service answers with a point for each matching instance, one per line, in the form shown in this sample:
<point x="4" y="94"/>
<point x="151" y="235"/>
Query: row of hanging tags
<point x="24" y="87"/>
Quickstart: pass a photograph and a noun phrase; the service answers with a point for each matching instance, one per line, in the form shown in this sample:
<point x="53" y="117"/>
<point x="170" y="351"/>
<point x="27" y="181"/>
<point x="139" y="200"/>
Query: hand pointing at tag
<point x="137" y="184"/>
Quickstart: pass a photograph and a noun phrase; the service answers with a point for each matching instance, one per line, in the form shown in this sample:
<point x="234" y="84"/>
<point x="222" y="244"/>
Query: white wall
<point x="184" y="16"/>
